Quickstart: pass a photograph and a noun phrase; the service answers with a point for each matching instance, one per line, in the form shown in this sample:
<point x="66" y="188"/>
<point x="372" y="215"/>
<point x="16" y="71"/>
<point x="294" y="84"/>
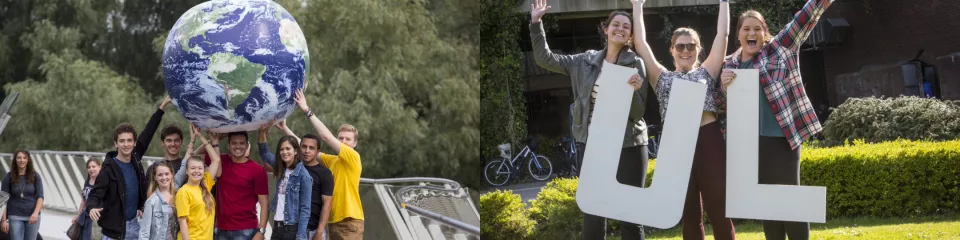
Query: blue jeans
<point x="133" y="231"/>
<point x="21" y="229"/>
<point x="234" y="235"/>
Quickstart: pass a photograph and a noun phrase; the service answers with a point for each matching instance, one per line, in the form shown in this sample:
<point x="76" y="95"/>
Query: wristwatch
<point x="263" y="231"/>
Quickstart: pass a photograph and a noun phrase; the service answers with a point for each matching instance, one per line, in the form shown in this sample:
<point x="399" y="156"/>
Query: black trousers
<point x="284" y="232"/>
<point x="632" y="171"/>
<point x="781" y="165"/>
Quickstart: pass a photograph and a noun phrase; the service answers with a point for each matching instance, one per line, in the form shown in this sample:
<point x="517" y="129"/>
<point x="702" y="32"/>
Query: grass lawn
<point x="933" y="227"/>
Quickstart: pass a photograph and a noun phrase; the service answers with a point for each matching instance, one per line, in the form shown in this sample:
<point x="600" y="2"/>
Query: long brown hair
<point x="684" y="31"/>
<point x="277" y="169"/>
<point x="92" y="160"/>
<point x="207" y="197"/>
<point x="154" y="185"/>
<point x="30" y="175"/>
<point x="763" y="22"/>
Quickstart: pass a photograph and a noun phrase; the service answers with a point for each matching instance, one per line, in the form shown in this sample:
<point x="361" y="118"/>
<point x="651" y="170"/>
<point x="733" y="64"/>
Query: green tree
<point x="412" y="93"/>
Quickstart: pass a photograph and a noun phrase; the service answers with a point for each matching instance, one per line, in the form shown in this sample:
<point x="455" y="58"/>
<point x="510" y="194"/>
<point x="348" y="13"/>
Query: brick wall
<point x="890" y="32"/>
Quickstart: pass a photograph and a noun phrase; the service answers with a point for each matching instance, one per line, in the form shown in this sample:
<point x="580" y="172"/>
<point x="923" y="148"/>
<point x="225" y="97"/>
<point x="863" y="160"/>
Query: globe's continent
<point x="235" y="65"/>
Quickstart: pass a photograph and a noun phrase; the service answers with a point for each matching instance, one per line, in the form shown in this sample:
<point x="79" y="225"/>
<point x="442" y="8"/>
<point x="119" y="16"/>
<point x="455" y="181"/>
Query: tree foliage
<point x="407" y="79"/>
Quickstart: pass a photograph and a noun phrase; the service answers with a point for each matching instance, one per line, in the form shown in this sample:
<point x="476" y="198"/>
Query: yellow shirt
<point x="346" y="170"/>
<point x="190" y="204"/>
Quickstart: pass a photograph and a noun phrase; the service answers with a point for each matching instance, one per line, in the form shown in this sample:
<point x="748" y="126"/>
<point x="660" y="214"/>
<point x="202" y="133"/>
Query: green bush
<point x="891" y="179"/>
<point x="503" y="216"/>
<point x="555" y="210"/>
<point x="877" y="120"/>
<point x="900" y="178"/>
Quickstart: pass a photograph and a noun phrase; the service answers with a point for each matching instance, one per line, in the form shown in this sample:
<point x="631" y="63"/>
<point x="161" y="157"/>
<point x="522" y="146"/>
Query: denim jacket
<point x="297" y="200"/>
<point x="156" y="221"/>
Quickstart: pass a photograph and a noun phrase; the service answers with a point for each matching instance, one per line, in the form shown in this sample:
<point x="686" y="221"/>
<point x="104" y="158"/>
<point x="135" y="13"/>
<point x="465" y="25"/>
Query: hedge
<point x="876" y="120"/>
<point x="900" y="178"/>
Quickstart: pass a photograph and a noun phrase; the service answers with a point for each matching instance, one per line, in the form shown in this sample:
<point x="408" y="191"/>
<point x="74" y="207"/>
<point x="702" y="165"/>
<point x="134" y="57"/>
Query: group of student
<point x="208" y="195"/>
<point x="786" y="116"/>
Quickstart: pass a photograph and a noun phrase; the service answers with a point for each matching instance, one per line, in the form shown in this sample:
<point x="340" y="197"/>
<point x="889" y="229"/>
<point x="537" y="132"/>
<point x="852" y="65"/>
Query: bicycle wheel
<point x="496" y="173"/>
<point x="540" y="168"/>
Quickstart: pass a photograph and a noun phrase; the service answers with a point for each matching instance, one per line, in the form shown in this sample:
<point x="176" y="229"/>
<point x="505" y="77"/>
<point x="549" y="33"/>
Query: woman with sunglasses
<point x="786" y="116"/>
<point x="584" y="69"/>
<point x="707" y="185"/>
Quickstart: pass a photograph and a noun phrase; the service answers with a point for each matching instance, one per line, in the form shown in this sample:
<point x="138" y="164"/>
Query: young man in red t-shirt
<point x="241" y="184"/>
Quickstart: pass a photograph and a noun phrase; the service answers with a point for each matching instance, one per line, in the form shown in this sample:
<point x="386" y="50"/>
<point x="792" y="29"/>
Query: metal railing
<point x="413" y="208"/>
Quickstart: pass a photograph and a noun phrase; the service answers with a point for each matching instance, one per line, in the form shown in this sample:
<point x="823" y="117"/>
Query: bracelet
<point x="309" y="113"/>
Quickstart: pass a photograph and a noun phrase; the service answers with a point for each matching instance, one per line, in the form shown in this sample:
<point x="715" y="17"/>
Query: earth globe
<point x="232" y="65"/>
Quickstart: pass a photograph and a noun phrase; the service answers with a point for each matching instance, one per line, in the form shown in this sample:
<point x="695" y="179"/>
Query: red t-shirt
<point x="237" y="190"/>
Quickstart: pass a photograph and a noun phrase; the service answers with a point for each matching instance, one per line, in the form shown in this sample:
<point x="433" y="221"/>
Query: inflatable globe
<point x="235" y="65"/>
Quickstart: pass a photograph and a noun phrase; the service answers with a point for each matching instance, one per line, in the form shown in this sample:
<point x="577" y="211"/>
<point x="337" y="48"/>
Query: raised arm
<point x="640" y="38"/>
<point x="180" y="177"/>
<point x="795" y="32"/>
<point x="268" y="158"/>
<point x="715" y="59"/>
<point x="214" y="168"/>
<point x="282" y="125"/>
<point x="143" y="141"/>
<point x="325" y="135"/>
<point x="541" y="51"/>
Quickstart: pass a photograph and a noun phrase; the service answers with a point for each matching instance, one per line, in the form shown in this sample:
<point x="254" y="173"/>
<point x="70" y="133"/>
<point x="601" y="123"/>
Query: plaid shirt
<point x="779" y="66"/>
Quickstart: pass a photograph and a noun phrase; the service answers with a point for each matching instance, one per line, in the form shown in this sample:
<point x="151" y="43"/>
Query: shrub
<point x="555" y="210"/>
<point x="877" y="120"/>
<point x="503" y="216"/>
<point x="891" y="179"/>
<point x="900" y="178"/>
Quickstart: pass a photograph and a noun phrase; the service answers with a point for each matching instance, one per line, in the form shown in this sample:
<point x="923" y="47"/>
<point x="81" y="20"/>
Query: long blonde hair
<point x="207" y="197"/>
<point x="154" y="185"/>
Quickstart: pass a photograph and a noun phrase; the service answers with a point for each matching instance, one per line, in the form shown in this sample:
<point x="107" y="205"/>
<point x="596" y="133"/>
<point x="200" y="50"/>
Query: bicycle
<point x="568" y="149"/>
<point x="539" y="166"/>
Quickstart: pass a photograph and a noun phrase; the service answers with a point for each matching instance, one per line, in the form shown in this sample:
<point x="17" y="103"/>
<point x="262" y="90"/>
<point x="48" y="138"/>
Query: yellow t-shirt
<point x="190" y="204"/>
<point x="346" y="168"/>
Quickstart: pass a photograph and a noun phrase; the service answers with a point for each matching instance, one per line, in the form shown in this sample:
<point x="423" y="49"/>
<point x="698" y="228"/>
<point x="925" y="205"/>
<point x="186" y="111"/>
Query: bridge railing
<point x="399" y="208"/>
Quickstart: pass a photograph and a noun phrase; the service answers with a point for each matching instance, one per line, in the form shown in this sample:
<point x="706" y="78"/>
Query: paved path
<point x="528" y="191"/>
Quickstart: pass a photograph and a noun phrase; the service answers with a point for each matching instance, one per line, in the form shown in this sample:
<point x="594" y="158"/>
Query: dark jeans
<point x="707" y="187"/>
<point x="87" y="224"/>
<point x="283" y="232"/>
<point x="632" y="171"/>
<point x="234" y="235"/>
<point x="781" y="165"/>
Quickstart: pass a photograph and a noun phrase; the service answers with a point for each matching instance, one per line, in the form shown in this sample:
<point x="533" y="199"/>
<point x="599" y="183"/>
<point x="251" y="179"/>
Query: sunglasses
<point x="689" y="46"/>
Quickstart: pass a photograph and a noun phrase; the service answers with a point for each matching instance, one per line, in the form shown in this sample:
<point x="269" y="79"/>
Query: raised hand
<point x="166" y="101"/>
<point x="537" y="10"/>
<point x="194" y="129"/>
<point x="301" y="101"/>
